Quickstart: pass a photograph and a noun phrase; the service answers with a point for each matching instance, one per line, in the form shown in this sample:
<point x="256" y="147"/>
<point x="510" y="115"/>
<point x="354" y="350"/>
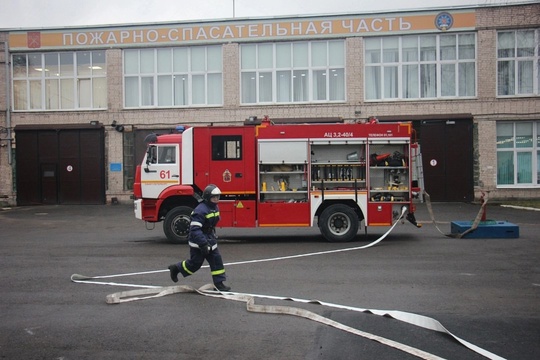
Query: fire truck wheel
<point x="338" y="223"/>
<point x="176" y="224"/>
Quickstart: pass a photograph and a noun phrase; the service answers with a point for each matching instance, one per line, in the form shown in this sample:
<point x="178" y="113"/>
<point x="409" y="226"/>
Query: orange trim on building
<point x="238" y="30"/>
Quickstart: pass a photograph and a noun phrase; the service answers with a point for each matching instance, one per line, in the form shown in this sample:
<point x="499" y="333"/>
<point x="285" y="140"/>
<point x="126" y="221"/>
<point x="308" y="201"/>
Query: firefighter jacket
<point x="202" y="230"/>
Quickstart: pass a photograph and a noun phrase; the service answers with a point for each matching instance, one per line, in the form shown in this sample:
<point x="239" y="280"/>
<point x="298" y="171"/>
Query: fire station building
<point x="77" y="102"/>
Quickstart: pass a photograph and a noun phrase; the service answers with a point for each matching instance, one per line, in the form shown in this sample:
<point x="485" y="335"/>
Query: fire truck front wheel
<point x="176" y="224"/>
<point x="338" y="223"/>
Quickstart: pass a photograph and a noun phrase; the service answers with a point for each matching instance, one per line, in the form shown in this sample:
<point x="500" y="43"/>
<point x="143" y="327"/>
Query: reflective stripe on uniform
<point x="185" y="268"/>
<point x="194" y="245"/>
<point x="195" y="223"/>
<point x="218" y="272"/>
<point x="212" y="214"/>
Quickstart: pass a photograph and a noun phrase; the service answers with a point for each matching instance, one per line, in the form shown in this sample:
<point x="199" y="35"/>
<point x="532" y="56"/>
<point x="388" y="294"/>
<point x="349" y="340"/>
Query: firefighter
<point x="202" y="241"/>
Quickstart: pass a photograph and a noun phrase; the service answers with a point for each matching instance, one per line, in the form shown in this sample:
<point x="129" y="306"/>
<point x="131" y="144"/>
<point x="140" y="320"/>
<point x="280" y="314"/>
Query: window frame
<point x="147" y="84"/>
<point x="422" y="64"/>
<point x="269" y="77"/>
<point x="231" y="145"/>
<point x="79" y="85"/>
<point x="514" y="57"/>
<point x="513" y="148"/>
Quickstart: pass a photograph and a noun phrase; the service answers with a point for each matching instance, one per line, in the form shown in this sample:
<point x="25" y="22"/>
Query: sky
<point x="25" y="14"/>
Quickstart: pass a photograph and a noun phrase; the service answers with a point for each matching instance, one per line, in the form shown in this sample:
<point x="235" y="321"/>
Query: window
<point x="518" y="60"/>
<point x="227" y="147"/>
<point x="152" y="155"/>
<point x="173" y="77"/>
<point x="128" y="145"/>
<point x="293" y="72"/>
<point x="167" y="155"/>
<point x="59" y="81"/>
<point x="161" y="154"/>
<point x="518" y="154"/>
<point x="420" y="67"/>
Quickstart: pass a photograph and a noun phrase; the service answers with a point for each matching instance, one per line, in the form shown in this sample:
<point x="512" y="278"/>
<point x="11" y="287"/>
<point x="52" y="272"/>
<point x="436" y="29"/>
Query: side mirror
<point x="151" y="158"/>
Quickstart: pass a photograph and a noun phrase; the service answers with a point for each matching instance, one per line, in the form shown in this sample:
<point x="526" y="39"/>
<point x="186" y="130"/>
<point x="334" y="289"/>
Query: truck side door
<point x="161" y="169"/>
<point x="225" y="156"/>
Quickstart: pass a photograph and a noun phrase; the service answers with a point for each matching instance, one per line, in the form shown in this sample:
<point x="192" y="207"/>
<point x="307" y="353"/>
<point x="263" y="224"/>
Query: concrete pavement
<point x="486" y="291"/>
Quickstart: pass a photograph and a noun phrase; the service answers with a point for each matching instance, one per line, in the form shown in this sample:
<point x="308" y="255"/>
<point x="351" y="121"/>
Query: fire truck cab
<point x="296" y="175"/>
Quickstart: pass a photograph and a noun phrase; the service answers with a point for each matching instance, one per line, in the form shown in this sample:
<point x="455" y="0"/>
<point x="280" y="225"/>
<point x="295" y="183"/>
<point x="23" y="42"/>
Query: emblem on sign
<point x="444" y="21"/>
<point x="227" y="176"/>
<point x="33" y="39"/>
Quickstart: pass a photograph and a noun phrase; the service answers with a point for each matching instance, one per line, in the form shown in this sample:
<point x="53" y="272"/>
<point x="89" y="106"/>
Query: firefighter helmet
<point x="210" y="191"/>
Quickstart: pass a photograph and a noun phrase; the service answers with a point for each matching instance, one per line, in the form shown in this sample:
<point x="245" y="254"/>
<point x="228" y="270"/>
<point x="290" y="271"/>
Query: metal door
<point x="49" y="184"/>
<point x="225" y="156"/>
<point x="161" y="170"/>
<point x="447" y="154"/>
<point x="69" y="160"/>
<point x="60" y="165"/>
<point x="27" y="169"/>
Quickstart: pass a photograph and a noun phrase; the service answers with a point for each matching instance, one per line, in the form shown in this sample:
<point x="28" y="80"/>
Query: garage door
<point x="60" y="166"/>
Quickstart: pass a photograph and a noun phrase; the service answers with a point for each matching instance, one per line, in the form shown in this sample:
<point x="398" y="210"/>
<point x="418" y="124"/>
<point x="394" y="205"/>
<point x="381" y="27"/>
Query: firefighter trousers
<point x="194" y="263"/>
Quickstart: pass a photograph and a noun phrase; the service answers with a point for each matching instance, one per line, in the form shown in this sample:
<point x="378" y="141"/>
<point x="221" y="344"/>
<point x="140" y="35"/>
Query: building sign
<point x="241" y="31"/>
<point x="33" y="39"/>
<point x="115" y="167"/>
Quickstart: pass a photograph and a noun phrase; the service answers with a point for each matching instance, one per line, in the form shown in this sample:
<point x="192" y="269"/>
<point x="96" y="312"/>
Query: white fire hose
<point x="150" y="291"/>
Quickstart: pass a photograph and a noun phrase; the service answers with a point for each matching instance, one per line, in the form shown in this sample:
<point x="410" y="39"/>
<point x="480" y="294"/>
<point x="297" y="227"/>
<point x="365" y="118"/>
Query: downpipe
<point x="8" y="103"/>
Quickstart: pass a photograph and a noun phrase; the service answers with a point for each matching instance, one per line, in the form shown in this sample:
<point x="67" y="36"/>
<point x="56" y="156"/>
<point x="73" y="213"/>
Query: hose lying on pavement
<point x="249" y="299"/>
<point x="150" y="291"/>
<point x="473" y="227"/>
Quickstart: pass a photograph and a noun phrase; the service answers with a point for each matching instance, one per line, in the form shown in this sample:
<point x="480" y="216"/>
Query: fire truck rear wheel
<point x="339" y="223"/>
<point x="176" y="224"/>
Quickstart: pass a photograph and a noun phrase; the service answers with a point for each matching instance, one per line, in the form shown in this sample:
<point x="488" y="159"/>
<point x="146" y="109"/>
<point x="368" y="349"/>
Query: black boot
<point x="221" y="286"/>
<point x="174" y="272"/>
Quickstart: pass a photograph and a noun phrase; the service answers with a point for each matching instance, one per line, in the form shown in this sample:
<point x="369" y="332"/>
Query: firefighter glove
<point x="205" y="249"/>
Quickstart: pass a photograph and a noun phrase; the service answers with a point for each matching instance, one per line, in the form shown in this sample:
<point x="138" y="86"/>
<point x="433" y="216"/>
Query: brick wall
<point x="508" y="16"/>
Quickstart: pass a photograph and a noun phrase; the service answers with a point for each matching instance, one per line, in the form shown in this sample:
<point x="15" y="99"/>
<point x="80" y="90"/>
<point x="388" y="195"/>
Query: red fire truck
<point x="293" y="175"/>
